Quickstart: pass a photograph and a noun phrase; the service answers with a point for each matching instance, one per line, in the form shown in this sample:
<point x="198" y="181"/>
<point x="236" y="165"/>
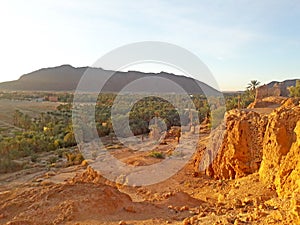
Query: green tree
<point x="295" y="91"/>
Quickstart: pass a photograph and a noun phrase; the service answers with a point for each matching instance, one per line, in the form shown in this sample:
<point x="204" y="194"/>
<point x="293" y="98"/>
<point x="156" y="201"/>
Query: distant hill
<point x="286" y="83"/>
<point x="66" y="78"/>
<point x="282" y="85"/>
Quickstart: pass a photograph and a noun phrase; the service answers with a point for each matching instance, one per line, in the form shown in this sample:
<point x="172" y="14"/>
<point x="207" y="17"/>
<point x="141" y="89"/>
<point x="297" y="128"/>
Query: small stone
<point x="39" y="179"/>
<point x="46" y="183"/>
<point x="193" y="212"/>
<point x="184" y="208"/>
<point x="122" y="222"/>
<point x="167" y="195"/>
<point x="84" y="163"/>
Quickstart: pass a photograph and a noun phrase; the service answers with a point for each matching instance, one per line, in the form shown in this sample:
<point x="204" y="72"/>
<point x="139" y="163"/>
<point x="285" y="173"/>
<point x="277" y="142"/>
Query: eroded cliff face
<point x="240" y="152"/>
<point x="287" y="178"/>
<point x="279" y="138"/>
<point x="254" y="141"/>
<point x="269" y="144"/>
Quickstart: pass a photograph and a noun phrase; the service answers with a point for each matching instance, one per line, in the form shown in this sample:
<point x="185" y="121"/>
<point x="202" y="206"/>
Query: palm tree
<point x="253" y="85"/>
<point x="251" y="89"/>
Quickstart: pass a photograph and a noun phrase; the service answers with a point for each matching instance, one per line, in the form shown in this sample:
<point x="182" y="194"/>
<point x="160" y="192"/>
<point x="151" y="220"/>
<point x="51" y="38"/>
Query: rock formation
<point x="253" y="141"/>
<point x="279" y="137"/>
<point x="265" y="91"/>
<point x="274" y="89"/>
<point x="287" y="179"/>
<point x="271" y="94"/>
<point x="270" y="143"/>
<point x="240" y="152"/>
<point x="281" y="157"/>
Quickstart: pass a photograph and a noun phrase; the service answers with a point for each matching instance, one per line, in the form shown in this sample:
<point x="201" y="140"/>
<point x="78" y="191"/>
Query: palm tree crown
<point x="253" y="84"/>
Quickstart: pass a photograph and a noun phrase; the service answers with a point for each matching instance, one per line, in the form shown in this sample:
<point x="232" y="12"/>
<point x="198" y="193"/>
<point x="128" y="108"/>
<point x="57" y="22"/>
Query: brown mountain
<point x="66" y="78"/>
<point x="286" y="83"/>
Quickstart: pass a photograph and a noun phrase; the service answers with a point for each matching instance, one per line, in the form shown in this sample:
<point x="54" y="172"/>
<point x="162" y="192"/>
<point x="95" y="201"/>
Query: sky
<point x="239" y="40"/>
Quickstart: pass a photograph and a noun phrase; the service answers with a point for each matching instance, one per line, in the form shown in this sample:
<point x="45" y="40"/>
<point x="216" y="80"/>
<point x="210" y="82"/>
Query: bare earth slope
<point x="253" y="180"/>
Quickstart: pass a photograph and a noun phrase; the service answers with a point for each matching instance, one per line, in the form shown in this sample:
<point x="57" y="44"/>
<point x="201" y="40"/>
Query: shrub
<point x="60" y="153"/>
<point x="157" y="155"/>
<point x="52" y="159"/>
<point x="8" y="165"/>
<point x="33" y="157"/>
<point x="74" y="158"/>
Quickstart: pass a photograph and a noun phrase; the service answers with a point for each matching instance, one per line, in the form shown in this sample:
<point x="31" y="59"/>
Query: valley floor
<point x="79" y="195"/>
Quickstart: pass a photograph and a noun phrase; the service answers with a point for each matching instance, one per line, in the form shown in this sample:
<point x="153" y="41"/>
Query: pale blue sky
<point x="238" y="40"/>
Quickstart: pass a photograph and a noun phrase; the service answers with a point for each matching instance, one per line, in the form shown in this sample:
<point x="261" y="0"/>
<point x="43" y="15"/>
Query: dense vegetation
<point x="146" y="109"/>
<point x="47" y="132"/>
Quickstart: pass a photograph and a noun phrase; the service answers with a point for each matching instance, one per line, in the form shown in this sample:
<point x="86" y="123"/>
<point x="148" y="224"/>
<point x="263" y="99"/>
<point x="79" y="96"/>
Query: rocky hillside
<point x="268" y="144"/>
<point x="286" y="83"/>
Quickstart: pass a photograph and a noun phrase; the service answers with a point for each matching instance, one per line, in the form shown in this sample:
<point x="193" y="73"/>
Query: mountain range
<point x="67" y="77"/>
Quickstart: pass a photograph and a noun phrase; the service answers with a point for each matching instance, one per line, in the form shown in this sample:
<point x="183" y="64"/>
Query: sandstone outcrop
<point x="254" y="141"/>
<point x="240" y="152"/>
<point x="287" y="179"/>
<point x="268" y="142"/>
<point x="279" y="137"/>
<point x="281" y="158"/>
